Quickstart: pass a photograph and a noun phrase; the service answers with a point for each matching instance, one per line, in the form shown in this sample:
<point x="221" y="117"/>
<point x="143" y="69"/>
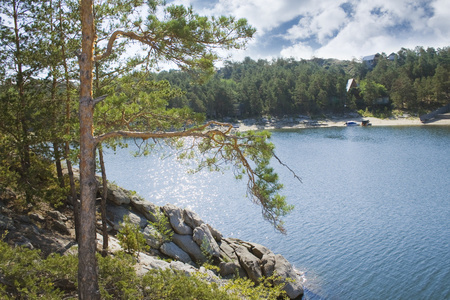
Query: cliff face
<point x="192" y="242"/>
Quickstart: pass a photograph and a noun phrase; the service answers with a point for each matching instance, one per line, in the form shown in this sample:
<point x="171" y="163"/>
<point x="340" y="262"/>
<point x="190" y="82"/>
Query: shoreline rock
<point x="195" y="242"/>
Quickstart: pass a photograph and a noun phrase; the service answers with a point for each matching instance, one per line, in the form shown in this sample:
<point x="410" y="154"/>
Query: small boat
<point x="366" y="123"/>
<point x="351" y="123"/>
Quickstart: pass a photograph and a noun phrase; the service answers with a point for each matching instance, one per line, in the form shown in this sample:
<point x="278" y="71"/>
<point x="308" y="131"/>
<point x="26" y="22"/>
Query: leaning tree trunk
<point x="87" y="265"/>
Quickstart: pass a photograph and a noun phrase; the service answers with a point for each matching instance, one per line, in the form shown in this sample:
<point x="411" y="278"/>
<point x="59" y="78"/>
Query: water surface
<point x="371" y="218"/>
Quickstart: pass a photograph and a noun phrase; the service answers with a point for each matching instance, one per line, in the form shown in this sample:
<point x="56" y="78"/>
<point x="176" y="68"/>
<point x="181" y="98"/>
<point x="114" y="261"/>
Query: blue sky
<point x="334" y="28"/>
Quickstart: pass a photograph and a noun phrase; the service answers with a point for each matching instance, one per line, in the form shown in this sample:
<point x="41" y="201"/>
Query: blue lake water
<point x="371" y="218"/>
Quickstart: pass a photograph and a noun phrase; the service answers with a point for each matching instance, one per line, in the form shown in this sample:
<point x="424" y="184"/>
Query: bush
<point x="130" y="237"/>
<point x="25" y="275"/>
<point x="270" y="288"/>
<point x="117" y="277"/>
<point x="162" y="225"/>
<point x="169" y="284"/>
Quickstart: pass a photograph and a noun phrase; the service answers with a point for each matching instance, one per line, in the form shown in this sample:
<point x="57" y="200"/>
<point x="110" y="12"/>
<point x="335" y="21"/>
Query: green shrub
<point x="25" y="275"/>
<point x="117" y="277"/>
<point x="169" y="284"/>
<point x="162" y="225"/>
<point x="130" y="237"/>
<point x="267" y="288"/>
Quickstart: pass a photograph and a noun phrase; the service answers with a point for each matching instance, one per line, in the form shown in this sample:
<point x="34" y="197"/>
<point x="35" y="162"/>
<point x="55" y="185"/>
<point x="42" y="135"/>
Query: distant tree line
<point x="413" y="80"/>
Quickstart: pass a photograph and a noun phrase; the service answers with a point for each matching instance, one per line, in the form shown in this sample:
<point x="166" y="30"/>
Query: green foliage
<point x="169" y="284"/>
<point x="270" y="288"/>
<point x="117" y="277"/>
<point x="286" y="87"/>
<point x="249" y="154"/>
<point x="205" y="247"/>
<point x="130" y="237"/>
<point x="25" y="275"/>
<point x="162" y="226"/>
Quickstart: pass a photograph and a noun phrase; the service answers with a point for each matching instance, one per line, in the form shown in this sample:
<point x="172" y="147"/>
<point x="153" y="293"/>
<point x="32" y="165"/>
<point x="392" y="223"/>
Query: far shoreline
<point x="304" y="122"/>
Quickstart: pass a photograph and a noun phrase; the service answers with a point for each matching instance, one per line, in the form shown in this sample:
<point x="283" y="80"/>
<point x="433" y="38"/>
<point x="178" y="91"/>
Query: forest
<point x="413" y="80"/>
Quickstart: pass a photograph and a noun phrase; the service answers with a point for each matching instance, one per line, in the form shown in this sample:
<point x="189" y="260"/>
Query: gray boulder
<point x="61" y="227"/>
<point x="148" y="262"/>
<point x="250" y="263"/>
<point x="185" y="268"/>
<point x="152" y="237"/>
<point x="210" y="276"/>
<point x="116" y="213"/>
<point x="227" y="252"/>
<point x="56" y="215"/>
<point x="172" y="250"/>
<point x="229" y="269"/>
<point x="176" y="219"/>
<point x="215" y="233"/>
<point x="6" y="223"/>
<point x="191" y="218"/>
<point x="268" y="264"/>
<point x="148" y="209"/>
<point x="118" y="195"/>
<point x="37" y="217"/>
<point x="259" y="250"/>
<point x="285" y="270"/>
<point x="186" y="243"/>
<point x="203" y="237"/>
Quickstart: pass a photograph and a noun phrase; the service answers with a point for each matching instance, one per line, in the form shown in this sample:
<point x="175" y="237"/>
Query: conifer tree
<point x="188" y="40"/>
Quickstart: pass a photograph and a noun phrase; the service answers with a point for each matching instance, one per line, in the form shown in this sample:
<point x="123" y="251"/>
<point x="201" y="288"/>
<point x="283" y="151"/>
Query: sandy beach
<point x="297" y="123"/>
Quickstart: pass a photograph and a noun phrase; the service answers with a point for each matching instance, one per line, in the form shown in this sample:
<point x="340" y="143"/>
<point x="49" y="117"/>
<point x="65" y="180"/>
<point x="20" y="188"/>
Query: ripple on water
<point x="371" y="218"/>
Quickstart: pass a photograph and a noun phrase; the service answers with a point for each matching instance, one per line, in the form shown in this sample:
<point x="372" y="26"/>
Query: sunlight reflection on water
<point x="371" y="217"/>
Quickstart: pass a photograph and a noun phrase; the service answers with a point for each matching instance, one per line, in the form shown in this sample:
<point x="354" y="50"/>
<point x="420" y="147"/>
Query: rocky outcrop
<point x="172" y="250"/>
<point x="176" y="219"/>
<point x="204" y="238"/>
<point x="115" y="216"/>
<point x="194" y="242"/>
<point x="186" y="242"/>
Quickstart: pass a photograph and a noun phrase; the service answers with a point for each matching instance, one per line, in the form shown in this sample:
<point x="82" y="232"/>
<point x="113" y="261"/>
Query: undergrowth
<point x="24" y="274"/>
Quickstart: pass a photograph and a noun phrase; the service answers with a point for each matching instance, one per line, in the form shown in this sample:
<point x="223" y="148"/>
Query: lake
<point x="371" y="218"/>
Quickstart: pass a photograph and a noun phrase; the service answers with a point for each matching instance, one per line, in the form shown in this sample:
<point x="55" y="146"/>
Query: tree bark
<point x="103" y="203"/>
<point x="87" y="265"/>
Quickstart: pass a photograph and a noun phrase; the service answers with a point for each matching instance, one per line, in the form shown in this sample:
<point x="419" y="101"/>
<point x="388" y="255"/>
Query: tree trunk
<point x="73" y="191"/>
<point x="24" y="144"/>
<point x="57" y="154"/>
<point x="103" y="204"/>
<point x="87" y="265"/>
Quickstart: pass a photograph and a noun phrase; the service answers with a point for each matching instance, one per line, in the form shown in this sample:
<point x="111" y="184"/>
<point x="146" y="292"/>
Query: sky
<point x="352" y="29"/>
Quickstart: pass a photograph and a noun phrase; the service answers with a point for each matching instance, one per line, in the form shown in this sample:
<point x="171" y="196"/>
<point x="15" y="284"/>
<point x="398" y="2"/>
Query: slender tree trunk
<point x="57" y="154"/>
<point x="73" y="191"/>
<point x="87" y="265"/>
<point x="56" y="148"/>
<point x="103" y="203"/>
<point x="24" y="144"/>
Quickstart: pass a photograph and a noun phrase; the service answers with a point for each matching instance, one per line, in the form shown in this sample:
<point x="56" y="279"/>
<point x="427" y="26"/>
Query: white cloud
<point x="343" y="29"/>
<point x="374" y="26"/>
<point x="440" y="22"/>
<point x="298" y="51"/>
